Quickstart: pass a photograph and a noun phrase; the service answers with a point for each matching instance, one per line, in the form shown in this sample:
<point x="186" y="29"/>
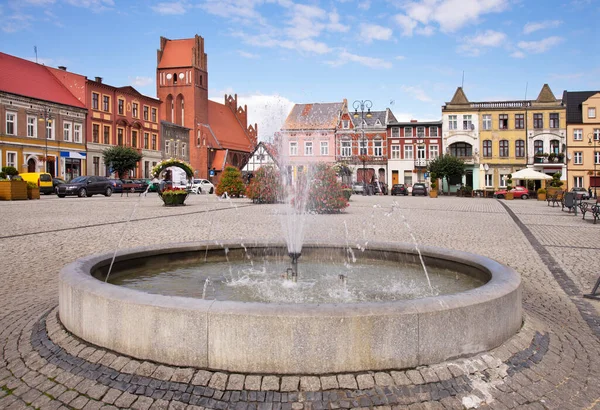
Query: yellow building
<point x="583" y="146"/>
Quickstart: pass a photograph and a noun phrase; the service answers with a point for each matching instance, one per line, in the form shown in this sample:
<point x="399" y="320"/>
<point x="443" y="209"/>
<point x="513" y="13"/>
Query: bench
<point x="555" y="199"/>
<point x="592" y="207"/>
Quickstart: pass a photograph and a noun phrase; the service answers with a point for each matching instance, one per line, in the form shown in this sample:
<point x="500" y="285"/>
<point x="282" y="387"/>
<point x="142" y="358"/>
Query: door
<point x="31" y="165"/>
<point x="394" y="177"/>
<point x="421" y="156"/>
<point x="469" y="179"/>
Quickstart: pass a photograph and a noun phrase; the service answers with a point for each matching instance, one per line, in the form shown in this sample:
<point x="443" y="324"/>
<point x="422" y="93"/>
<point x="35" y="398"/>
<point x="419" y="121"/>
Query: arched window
<point x="178" y="119"/>
<point x="174" y="78"/>
<point x="554" y="146"/>
<point x="182" y="112"/>
<point x="519" y="148"/>
<point x="504" y="148"/>
<point x="460" y="149"/>
<point x="198" y="138"/>
<point x="487" y="148"/>
<point x="169" y="108"/>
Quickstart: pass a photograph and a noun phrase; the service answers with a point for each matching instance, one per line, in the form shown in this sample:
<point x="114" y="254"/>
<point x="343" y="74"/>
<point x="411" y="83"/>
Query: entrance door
<point x="31" y="165"/>
<point x="50" y="167"/>
<point x="421" y="154"/>
<point x="394" y="177"/>
<point x="469" y="179"/>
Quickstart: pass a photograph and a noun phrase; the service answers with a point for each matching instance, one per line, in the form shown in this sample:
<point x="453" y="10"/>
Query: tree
<point x="231" y="182"/>
<point x="121" y="159"/>
<point x="265" y="187"/>
<point x="325" y="194"/>
<point x="446" y="167"/>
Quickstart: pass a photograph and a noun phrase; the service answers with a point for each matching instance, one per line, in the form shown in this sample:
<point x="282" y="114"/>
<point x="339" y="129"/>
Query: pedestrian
<point x="589" y="192"/>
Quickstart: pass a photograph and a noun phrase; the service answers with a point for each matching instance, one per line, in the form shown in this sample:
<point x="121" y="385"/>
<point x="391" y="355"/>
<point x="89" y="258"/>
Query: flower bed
<point x="174" y="196"/>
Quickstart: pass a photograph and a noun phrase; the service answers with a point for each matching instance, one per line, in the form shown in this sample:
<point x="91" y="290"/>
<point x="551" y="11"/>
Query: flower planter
<point x="433" y="194"/>
<point x="33" y="193"/>
<point x="174" y="200"/>
<point x="13" y="190"/>
<point x="509" y="196"/>
<point x="541" y="197"/>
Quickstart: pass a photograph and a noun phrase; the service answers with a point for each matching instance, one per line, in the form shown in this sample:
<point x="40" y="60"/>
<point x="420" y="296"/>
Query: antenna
<point x="462" y="84"/>
<point x="526" y="84"/>
<point x="35" y="51"/>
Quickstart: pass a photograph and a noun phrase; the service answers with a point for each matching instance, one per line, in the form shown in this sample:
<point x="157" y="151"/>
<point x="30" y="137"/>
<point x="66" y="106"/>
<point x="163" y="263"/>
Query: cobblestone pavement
<point x="553" y="362"/>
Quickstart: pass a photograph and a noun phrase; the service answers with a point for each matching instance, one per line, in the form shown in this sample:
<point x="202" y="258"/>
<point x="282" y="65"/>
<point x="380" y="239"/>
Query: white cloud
<point x="94" y="5"/>
<point x="370" y="32"/>
<point x="416" y="92"/>
<point x="399" y="58"/>
<point x="246" y="54"/>
<point x="478" y="43"/>
<point x="140" y="81"/>
<point x="39" y="2"/>
<point x="364" y="5"/>
<point x="16" y="22"/>
<point x="537" y="47"/>
<point x="541" y="25"/>
<point x="170" y="8"/>
<point x="372" y="62"/>
<point x="334" y="23"/>
<point x="518" y="54"/>
<point x="235" y="9"/>
<point x="406" y="23"/>
<point x="426" y="31"/>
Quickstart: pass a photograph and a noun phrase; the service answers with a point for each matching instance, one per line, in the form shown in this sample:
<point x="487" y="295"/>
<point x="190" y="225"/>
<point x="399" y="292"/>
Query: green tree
<point x="556" y="182"/>
<point x="446" y="167"/>
<point x="121" y="159"/>
<point x="231" y="182"/>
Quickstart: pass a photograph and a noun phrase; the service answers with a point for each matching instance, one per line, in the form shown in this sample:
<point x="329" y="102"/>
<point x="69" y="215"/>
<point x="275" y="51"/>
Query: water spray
<point x="294" y="268"/>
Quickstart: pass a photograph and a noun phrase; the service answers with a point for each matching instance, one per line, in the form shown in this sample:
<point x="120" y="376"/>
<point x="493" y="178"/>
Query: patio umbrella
<point x="529" y="173"/>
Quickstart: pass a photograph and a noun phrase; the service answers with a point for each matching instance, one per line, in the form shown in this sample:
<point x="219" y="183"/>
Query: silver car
<point x="199" y="186"/>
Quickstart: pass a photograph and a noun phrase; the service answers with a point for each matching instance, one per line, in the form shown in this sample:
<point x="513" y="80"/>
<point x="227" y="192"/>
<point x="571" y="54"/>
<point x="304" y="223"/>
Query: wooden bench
<point x="555" y="199"/>
<point x="592" y="207"/>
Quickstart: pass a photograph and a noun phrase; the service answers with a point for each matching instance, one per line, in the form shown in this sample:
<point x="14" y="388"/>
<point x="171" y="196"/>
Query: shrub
<point x="509" y="182"/>
<point x="347" y="193"/>
<point x="468" y="190"/>
<point x="265" y="187"/>
<point x="10" y="171"/>
<point x="530" y="185"/>
<point x="231" y="182"/>
<point x="325" y="194"/>
<point x="541" y="191"/>
<point x="556" y="182"/>
<point x="31" y="185"/>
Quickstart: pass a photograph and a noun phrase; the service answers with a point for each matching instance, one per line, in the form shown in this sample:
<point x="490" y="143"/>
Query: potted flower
<point x="509" y="181"/>
<point x="13" y="187"/>
<point x="560" y="156"/>
<point x="552" y="157"/>
<point x="433" y="192"/>
<point x="541" y="194"/>
<point x="33" y="191"/>
<point x="555" y="184"/>
<point x="174" y="196"/>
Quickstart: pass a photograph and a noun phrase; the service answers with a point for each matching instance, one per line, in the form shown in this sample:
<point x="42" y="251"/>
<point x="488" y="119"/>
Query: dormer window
<point x="345" y="124"/>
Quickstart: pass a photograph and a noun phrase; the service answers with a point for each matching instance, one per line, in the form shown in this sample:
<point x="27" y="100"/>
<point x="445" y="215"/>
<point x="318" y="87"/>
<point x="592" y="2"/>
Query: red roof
<point x="219" y="160"/>
<point x="177" y="53"/>
<point x="227" y="129"/>
<point x="28" y="79"/>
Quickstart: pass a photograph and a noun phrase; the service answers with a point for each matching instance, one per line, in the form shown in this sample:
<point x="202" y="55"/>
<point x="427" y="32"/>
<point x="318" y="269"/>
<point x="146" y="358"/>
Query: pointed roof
<point x="372" y="122"/>
<point x="546" y="95"/>
<point x="318" y="116"/>
<point x="574" y="100"/>
<point x="226" y="128"/>
<point x="459" y="97"/>
<point x="177" y="53"/>
<point x="29" y="79"/>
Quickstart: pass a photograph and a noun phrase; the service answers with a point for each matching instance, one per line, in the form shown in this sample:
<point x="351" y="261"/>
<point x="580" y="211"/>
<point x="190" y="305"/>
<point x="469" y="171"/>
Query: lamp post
<point x="592" y="137"/>
<point x="47" y="121"/>
<point x="362" y="104"/>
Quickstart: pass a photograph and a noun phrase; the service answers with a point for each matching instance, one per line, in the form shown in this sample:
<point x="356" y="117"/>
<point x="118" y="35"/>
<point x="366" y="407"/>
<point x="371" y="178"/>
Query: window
<point x="554" y="146"/>
<point x="487" y="121"/>
<point x="121" y="107"/>
<point x="433" y="131"/>
<point x="578" y="157"/>
<point x="183" y="147"/>
<point x="461" y="149"/>
<point x="591" y="112"/>
<point x="503" y="148"/>
<point x="503" y="180"/>
<point x="538" y="147"/>
<point x="11" y="159"/>
<point x="395" y="151"/>
<point x="503" y="121"/>
<point x="554" y="120"/>
<point x="95" y="133"/>
<point x="293" y="148"/>
<point x="134" y="110"/>
<point x="76" y="132"/>
<point x="363" y="147"/>
<point x="345" y="124"/>
<point x="489" y="180"/>
<point x="134" y="135"/>
<point x="167" y="147"/>
<point x="578" y="135"/>
<point x="95" y="100"/>
<point x="597" y="157"/>
<point x="308" y="148"/>
<point x="50" y="130"/>
<point x="66" y="131"/>
<point x="395" y="132"/>
<point x="324" y="148"/>
<point x="597" y="134"/>
<point x="487" y="148"/>
<point x="467" y="124"/>
<point x="538" y="120"/>
<point x="153" y="114"/>
<point x="176" y="148"/>
<point x="182" y="113"/>
<point x="408" y="132"/>
<point x="346" y="149"/>
<point x="452" y="122"/>
<point x="408" y="152"/>
<point x="146" y="113"/>
<point x="578" y="182"/>
<point x="11" y="123"/>
<point x="519" y="148"/>
<point x="420" y="132"/>
<point x="378" y="148"/>
<point x="120" y="136"/>
<point x="519" y="121"/>
<point x="106" y="103"/>
<point x="96" y="162"/>
<point x="154" y="138"/>
<point x="107" y="134"/>
<point x="31" y="126"/>
<point x="434" y="151"/>
<point x="146" y="140"/>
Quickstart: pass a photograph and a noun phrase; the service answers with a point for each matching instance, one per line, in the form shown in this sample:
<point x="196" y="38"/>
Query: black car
<point x="56" y="182"/>
<point x="399" y="189"/>
<point x="85" y="186"/>
<point x="117" y="185"/>
<point x="379" y="188"/>
<point x="419" y="189"/>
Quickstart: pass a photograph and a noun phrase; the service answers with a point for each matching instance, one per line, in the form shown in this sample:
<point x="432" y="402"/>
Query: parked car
<point x="199" y="186"/>
<point x="581" y="193"/>
<point x="399" y="189"/>
<point x="154" y="186"/>
<point x="56" y="182"/>
<point x="117" y="185"/>
<point x="419" y="189"/>
<point x="518" y="192"/>
<point x="85" y="186"/>
<point x="42" y="179"/>
<point x="358" y="187"/>
<point x="131" y="185"/>
<point x="379" y="187"/>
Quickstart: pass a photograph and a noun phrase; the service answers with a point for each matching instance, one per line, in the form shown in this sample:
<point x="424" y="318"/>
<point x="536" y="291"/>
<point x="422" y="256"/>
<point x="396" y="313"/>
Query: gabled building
<point x="583" y="141"/>
<point x="264" y="155"/>
<point x="412" y="146"/>
<point x="219" y="134"/>
<point x="42" y="126"/>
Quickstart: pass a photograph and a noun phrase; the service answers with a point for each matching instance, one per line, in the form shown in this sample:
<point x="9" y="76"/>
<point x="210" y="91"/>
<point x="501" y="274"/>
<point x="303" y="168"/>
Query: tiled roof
<point x="177" y="53"/>
<point x="219" y="160"/>
<point x="371" y="122"/>
<point x="28" y="79"/>
<point x="573" y="101"/>
<point x="227" y="129"/>
<point x="409" y="123"/>
<point x="313" y="116"/>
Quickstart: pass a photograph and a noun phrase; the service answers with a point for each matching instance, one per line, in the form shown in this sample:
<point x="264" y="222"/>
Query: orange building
<point x="219" y="133"/>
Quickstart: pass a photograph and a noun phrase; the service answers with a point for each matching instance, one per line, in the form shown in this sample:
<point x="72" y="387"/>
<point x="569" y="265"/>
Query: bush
<point x="347" y="193"/>
<point x="325" y="194"/>
<point x="556" y="182"/>
<point x="31" y="185"/>
<point x="530" y="185"/>
<point x="509" y="182"/>
<point x="541" y="191"/>
<point x="468" y="190"/>
<point x="231" y="182"/>
<point x="265" y="187"/>
<point x="10" y="171"/>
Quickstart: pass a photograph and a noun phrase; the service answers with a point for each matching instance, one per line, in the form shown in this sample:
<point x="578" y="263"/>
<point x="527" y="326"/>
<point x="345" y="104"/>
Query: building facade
<point x="43" y="124"/>
<point x="412" y="146"/>
<point x="583" y="143"/>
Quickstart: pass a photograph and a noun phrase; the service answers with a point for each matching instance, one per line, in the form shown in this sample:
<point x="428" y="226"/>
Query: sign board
<point x="211" y="173"/>
<point x="426" y="175"/>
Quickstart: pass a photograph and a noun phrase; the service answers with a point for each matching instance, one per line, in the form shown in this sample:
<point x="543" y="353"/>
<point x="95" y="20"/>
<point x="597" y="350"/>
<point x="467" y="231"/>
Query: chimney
<point x="98" y="79"/>
<point x="414" y="121"/>
<point x="62" y="67"/>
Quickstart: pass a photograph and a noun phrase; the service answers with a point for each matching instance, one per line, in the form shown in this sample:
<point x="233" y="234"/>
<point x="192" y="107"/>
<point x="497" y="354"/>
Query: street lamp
<point x="47" y="121"/>
<point x="593" y="137"/>
<point x="362" y="104"/>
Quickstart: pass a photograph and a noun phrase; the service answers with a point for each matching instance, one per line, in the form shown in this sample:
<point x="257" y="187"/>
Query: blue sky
<point x="406" y="55"/>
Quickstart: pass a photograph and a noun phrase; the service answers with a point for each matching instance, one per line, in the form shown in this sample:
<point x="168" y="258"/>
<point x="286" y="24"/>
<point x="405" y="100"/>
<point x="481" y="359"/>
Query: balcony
<point x="356" y="159"/>
<point x="421" y="162"/>
<point x="545" y="159"/>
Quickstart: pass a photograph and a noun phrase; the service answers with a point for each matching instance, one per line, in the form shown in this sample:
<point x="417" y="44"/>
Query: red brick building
<point x="219" y="133"/>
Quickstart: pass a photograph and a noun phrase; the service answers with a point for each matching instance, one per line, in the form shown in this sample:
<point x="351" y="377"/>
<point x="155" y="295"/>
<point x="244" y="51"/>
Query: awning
<point x="72" y="154"/>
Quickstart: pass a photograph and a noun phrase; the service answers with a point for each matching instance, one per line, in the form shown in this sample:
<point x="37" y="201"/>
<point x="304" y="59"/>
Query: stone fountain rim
<point x="504" y="280"/>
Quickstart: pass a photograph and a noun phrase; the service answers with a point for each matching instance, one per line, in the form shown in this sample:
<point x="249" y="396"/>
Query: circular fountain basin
<point x="290" y="338"/>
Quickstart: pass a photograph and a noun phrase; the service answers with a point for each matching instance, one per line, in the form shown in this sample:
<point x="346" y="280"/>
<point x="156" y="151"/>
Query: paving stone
<point x="235" y="382"/>
<point x="202" y="378"/>
<point x="383" y="379"/>
<point x="347" y="381"/>
<point x="125" y="400"/>
<point x="415" y="377"/>
<point x="218" y="381"/>
<point x="290" y="383"/>
<point x="329" y="383"/>
<point x="429" y="375"/>
<point x="142" y="403"/>
<point x="79" y="402"/>
<point x="365" y="381"/>
<point x="182" y="375"/>
<point x="270" y="383"/>
<point x="160" y="405"/>
<point x="253" y="382"/>
<point x="310" y="383"/>
<point x="131" y="366"/>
